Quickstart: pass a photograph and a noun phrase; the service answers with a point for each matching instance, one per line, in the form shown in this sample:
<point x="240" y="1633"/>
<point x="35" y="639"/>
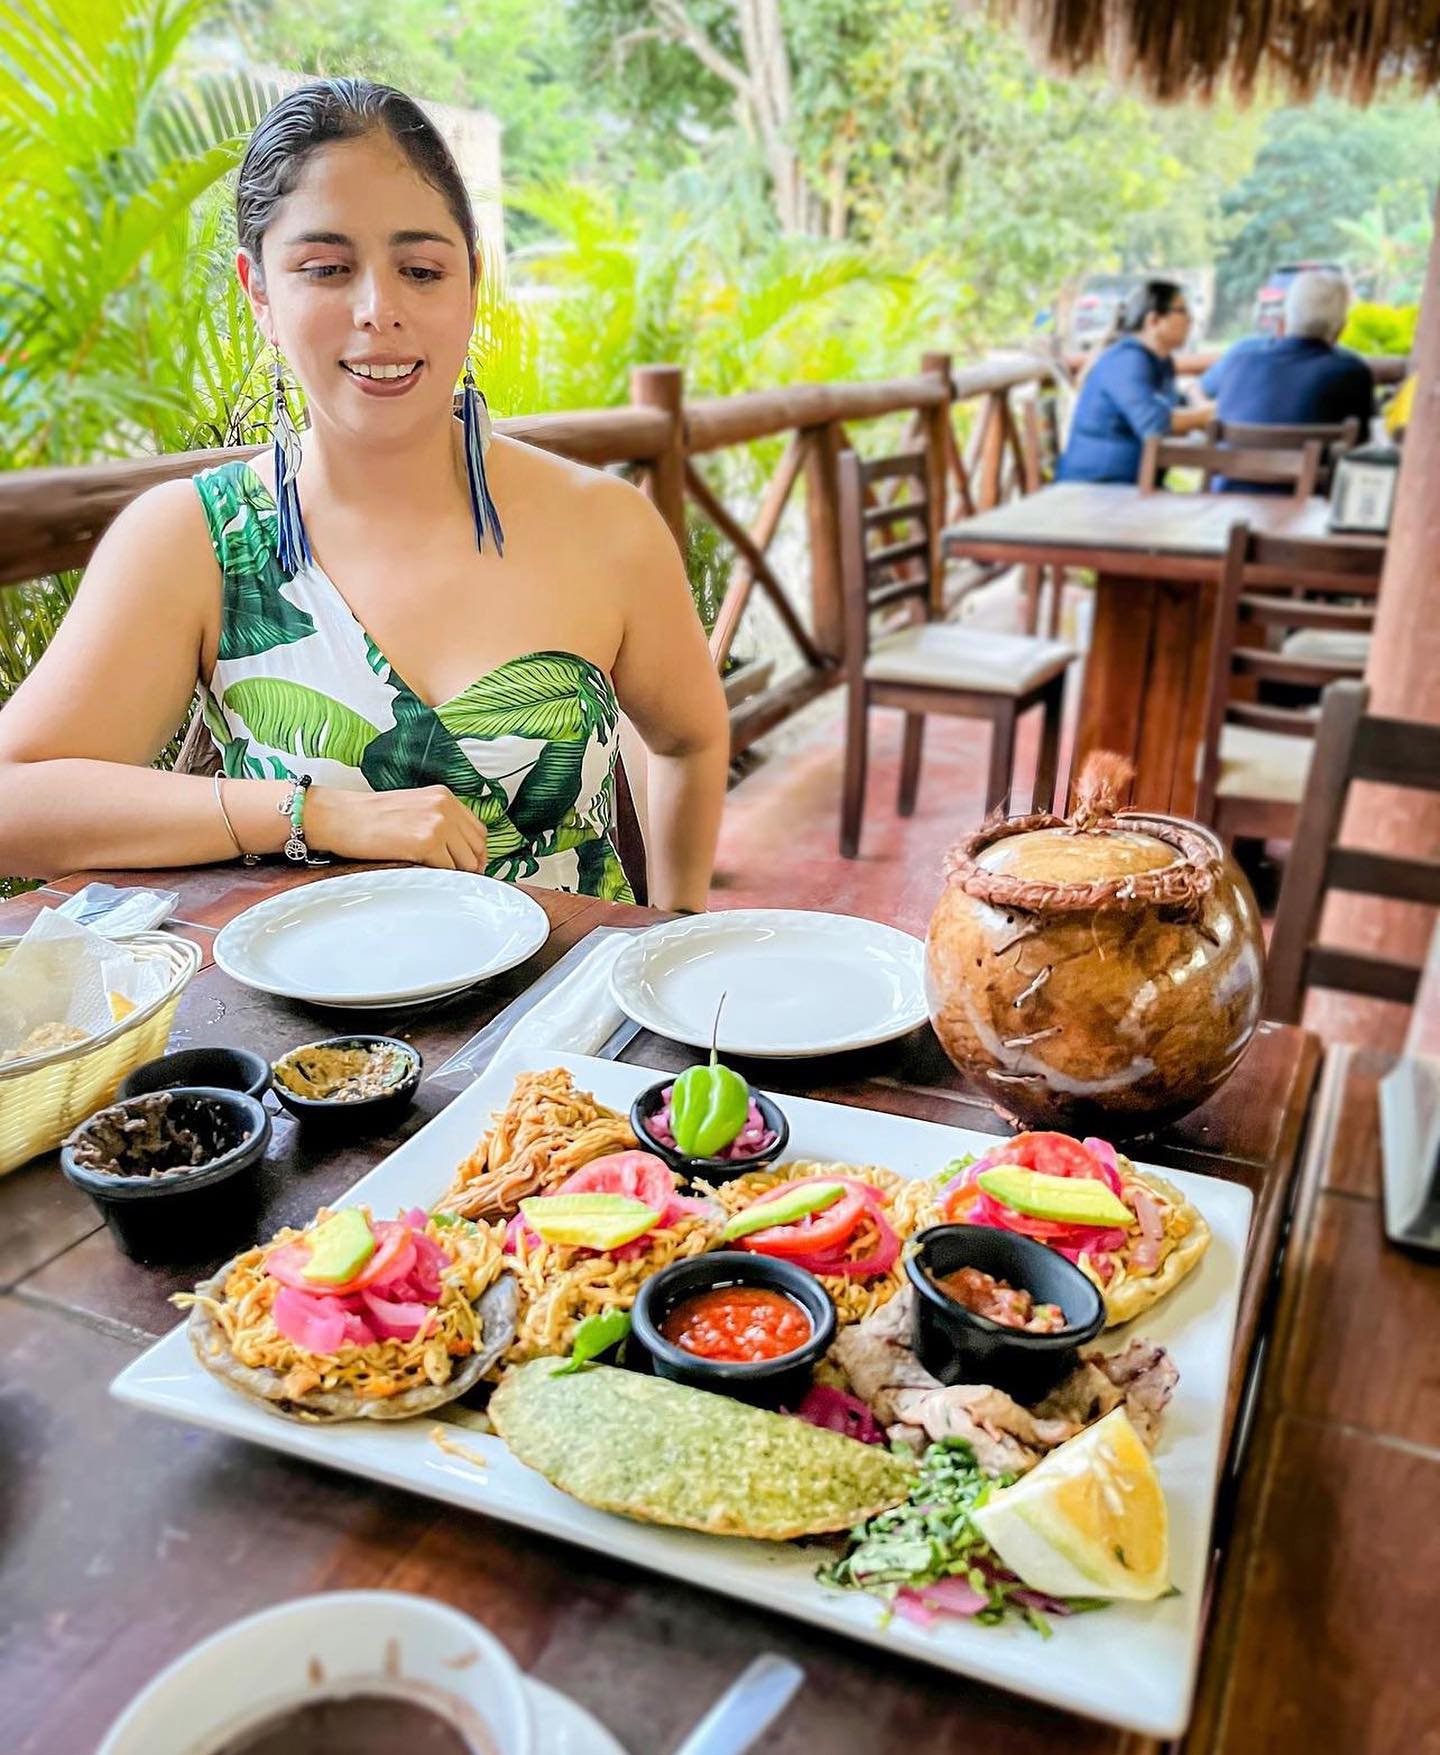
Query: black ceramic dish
<point x="769" y="1382"/>
<point x="712" y="1170"/>
<point x="226" y="1069"/>
<point x="187" y="1213"/>
<point x="957" y="1345"/>
<point x="360" y="1113"/>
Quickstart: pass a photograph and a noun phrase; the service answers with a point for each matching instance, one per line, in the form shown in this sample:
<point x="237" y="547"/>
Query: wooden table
<point x="1158" y="557"/>
<point x="1325" y="1633"/>
<point x="127" y="1538"/>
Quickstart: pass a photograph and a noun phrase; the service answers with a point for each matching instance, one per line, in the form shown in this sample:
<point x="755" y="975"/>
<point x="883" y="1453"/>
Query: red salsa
<point x="1000" y="1301"/>
<point x="737" y="1324"/>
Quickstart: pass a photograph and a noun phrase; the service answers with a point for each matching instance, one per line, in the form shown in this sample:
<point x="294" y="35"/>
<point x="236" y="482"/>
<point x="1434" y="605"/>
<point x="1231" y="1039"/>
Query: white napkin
<point x="577" y="1015"/>
<point x="62" y="973"/>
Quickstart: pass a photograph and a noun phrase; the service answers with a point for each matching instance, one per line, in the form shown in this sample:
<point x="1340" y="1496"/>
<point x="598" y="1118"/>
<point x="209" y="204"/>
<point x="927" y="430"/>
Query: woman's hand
<point x="423" y="825"/>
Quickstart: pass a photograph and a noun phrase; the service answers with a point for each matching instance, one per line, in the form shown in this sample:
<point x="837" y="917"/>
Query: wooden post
<point x="822" y="511"/>
<point x="1404" y="678"/>
<point x="934" y="422"/>
<point x="663" y="388"/>
<point x="992" y="449"/>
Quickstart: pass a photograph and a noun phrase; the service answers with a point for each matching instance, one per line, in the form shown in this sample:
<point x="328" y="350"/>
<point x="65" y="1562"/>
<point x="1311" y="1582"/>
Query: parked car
<point x="1270" y="300"/>
<point x="1093" y="314"/>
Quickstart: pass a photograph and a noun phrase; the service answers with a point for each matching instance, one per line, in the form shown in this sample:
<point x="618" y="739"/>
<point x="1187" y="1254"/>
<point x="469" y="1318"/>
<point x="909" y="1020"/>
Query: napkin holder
<point x="1410" y="1152"/>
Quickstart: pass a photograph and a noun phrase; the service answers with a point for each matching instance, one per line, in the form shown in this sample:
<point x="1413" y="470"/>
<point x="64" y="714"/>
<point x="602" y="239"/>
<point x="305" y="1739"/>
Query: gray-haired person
<point x="1300" y="377"/>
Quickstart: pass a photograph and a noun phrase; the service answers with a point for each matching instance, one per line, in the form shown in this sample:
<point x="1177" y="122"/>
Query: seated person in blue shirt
<point x="1299" y="377"/>
<point x="1130" y="391"/>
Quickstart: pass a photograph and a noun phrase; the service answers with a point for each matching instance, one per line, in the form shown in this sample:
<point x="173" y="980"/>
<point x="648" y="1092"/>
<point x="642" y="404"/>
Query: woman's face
<point x="366" y="291"/>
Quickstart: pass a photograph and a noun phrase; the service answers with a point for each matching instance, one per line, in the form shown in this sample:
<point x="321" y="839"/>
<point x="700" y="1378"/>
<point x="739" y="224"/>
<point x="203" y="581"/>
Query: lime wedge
<point x="1088" y="1521"/>
<point x="588" y="1221"/>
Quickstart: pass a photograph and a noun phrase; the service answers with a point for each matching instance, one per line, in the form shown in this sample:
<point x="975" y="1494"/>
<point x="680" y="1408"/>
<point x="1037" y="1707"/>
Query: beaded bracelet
<point x="292" y="805"/>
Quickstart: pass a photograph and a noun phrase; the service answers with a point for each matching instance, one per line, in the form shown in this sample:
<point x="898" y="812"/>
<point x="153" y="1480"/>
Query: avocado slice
<point x="1066" y="1200"/>
<point x="339" y="1247"/>
<point x="784" y="1209"/>
<point x="588" y="1221"/>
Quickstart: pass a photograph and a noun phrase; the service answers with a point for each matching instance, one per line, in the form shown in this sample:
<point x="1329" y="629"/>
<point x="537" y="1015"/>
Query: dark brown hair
<point x="1152" y="298"/>
<point x="328" y="110"/>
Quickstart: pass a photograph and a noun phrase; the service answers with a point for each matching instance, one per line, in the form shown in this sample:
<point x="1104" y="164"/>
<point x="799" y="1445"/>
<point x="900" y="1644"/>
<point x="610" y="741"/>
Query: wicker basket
<point x="41" y="1099"/>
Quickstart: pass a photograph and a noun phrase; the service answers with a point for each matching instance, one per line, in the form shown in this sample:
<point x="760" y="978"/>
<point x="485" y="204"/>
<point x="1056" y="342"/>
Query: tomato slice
<point x="1055" y="1154"/>
<point x="288" y="1263"/>
<point x="639" y="1174"/>
<point x="817" y="1233"/>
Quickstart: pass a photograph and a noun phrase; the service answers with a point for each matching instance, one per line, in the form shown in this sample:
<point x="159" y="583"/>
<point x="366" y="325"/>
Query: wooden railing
<point x="51" y="519"/>
<point x="980" y="453"/>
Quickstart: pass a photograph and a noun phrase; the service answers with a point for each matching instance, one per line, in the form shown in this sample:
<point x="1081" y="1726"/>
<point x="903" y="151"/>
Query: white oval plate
<point x="795" y="983"/>
<point x="382" y="937"/>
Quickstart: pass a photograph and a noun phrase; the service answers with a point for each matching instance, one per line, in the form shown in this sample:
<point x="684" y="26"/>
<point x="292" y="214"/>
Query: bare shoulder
<point x="163" y="530"/>
<point x="570" y="501"/>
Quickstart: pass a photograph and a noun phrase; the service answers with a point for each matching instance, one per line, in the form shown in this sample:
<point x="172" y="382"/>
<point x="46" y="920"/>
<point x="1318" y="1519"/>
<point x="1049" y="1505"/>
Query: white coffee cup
<point x="342" y="1643"/>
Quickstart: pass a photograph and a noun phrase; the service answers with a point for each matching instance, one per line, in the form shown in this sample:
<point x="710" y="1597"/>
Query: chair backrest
<point x="885" y="527"/>
<point x="1333" y="438"/>
<point x="1272" y="586"/>
<point x="1350" y="745"/>
<point x="1297" y="468"/>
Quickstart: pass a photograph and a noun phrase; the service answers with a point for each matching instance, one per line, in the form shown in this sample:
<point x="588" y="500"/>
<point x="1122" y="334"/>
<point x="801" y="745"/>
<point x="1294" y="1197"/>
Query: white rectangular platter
<point x="1131" y="1664"/>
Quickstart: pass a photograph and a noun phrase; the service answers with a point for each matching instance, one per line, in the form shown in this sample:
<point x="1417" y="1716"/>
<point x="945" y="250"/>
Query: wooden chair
<point x="1296" y="468"/>
<point x="923" y="665"/>
<point x="1333" y="439"/>
<point x="1350" y="745"/>
<point x="1256" y="753"/>
<point x="198" y="755"/>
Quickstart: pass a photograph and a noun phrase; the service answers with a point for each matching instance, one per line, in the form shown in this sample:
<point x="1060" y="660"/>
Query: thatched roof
<point x="1177" y="48"/>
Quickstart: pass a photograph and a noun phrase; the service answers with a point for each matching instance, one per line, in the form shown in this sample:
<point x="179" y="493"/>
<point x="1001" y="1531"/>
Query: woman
<point x="383" y="682"/>
<point x="1129" y="391"/>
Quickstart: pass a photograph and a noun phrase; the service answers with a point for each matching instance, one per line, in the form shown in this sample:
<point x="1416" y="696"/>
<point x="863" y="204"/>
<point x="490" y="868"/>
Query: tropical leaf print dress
<point x="299" y="687"/>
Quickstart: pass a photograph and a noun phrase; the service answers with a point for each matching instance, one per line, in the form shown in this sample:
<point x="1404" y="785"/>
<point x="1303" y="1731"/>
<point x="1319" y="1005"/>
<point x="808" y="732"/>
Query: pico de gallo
<point x="737" y="1324"/>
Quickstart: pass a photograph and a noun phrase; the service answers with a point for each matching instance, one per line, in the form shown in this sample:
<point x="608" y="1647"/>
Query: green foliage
<point x="1319" y="169"/>
<point x="1373" y="329"/>
<point x="510" y="57"/>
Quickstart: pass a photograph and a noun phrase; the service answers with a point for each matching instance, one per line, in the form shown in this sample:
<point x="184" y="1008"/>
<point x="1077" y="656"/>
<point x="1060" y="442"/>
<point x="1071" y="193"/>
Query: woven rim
<point x="182" y="954"/>
<point x="1182" y="884"/>
<point x="1103" y="782"/>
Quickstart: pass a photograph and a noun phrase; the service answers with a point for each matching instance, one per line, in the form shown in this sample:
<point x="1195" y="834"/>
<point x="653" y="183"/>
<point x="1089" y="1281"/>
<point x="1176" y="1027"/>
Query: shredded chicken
<point x="546" y="1132"/>
<point x="876" y="1358"/>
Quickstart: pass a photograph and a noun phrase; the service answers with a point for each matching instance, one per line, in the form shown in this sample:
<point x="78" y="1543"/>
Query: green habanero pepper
<point x="708" y="1108"/>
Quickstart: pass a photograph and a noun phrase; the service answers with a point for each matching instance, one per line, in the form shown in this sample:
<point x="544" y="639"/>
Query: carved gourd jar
<point x="1100" y="974"/>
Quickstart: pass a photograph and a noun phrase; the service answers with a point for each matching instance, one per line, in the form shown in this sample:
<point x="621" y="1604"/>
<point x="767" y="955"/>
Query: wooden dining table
<point x="1158" y="558"/>
<point x="127" y="1538"/>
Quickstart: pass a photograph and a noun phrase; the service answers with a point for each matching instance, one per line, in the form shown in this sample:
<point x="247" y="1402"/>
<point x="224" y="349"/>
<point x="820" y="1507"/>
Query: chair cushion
<point x="1262" y="764"/>
<point x="1344" y="646"/>
<point x="942" y="655"/>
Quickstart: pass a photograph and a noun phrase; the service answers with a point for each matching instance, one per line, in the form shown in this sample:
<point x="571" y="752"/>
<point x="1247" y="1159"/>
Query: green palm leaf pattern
<point x="549" y="694"/>
<point x="601" y="873"/>
<point x="302" y="721"/>
<point x="419" y="751"/>
<point x="549" y="790"/>
<point x="255" y="616"/>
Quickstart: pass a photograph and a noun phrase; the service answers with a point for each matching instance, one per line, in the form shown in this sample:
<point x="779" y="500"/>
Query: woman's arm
<point x="77" y="789"/>
<point x="669" y="688"/>
<point x="79" y="735"/>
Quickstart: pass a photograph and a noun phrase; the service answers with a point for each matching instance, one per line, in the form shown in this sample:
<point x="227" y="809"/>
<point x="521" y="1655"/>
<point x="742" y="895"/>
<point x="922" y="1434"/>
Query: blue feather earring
<point x="475" y="418"/>
<point x="292" y="546"/>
